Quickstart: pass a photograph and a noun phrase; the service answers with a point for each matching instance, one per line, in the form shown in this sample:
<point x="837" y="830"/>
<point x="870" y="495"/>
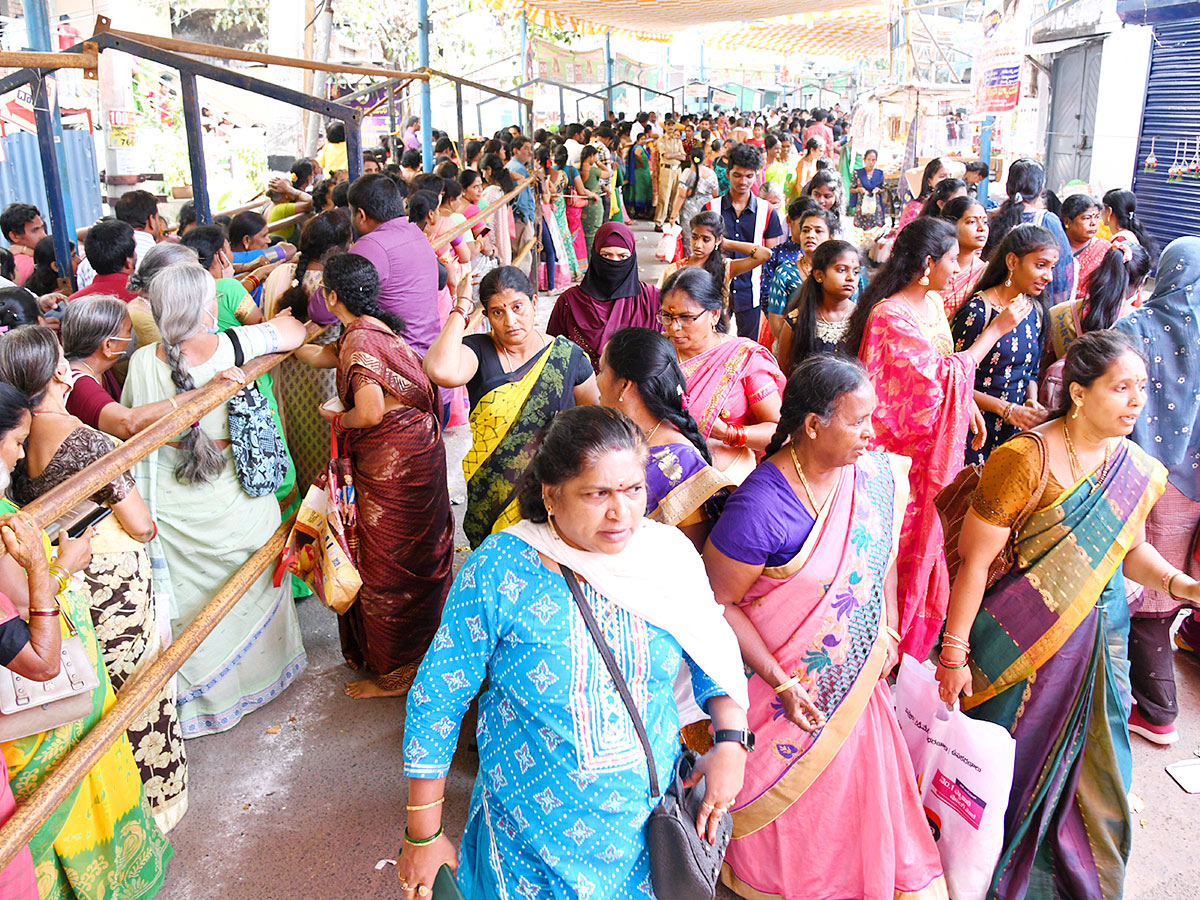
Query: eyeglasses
<point x="666" y="318"/>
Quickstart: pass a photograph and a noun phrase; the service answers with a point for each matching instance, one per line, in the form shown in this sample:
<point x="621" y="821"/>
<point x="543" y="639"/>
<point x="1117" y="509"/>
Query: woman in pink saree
<point x="733" y="384"/>
<point x="803" y="559"/>
<point x="926" y="403"/>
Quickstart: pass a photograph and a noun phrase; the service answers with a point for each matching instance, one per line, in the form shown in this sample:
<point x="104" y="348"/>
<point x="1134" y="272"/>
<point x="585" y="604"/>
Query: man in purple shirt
<point x="400" y="252"/>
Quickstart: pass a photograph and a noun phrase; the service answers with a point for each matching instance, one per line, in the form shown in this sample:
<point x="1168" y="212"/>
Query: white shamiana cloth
<point x="660" y="578"/>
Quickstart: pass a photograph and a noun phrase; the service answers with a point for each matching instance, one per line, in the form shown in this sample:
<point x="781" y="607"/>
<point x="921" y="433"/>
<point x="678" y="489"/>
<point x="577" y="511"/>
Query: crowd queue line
<point x="738" y="491"/>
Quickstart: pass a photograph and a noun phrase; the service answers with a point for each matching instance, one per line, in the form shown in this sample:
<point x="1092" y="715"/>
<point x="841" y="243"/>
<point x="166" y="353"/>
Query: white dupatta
<point x="658" y="577"/>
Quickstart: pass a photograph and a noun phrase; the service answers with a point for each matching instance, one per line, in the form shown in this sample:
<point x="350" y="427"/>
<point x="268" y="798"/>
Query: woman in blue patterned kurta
<point x="1019" y="272"/>
<point x="562" y="794"/>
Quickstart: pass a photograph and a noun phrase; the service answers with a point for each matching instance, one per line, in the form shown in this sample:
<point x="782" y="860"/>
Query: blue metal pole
<point x="195" y="141"/>
<point x="608" y="67"/>
<point x="426" y="97"/>
<point x="49" y="127"/>
<point x="61" y="226"/>
<point x="985" y="154"/>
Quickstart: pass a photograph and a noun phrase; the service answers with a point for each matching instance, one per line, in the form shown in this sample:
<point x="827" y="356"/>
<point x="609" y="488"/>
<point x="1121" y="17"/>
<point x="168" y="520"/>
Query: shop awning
<point x="653" y="21"/>
<point x="853" y="33"/>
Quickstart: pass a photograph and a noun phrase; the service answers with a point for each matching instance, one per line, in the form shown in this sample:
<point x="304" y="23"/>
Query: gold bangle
<point x="787" y="685"/>
<point x="893" y="633"/>
<point x="436" y="802"/>
<point x="59" y="574"/>
<point x="174" y="403"/>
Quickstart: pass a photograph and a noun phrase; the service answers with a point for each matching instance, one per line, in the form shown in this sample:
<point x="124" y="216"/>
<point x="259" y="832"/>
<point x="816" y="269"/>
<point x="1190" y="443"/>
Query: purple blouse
<point x="763" y="523"/>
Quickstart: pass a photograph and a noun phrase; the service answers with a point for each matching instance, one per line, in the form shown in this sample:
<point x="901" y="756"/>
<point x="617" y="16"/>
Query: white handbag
<point x="31" y="707"/>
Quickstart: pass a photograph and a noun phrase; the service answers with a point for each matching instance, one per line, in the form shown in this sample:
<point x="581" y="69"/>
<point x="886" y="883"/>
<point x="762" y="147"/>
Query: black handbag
<point x="683" y="865"/>
<point x="259" y="454"/>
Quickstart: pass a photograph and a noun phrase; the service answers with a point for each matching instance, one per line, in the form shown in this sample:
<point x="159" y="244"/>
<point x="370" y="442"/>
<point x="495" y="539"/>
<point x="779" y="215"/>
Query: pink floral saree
<point x="846" y="793"/>
<point x="725" y="382"/>
<point x="925" y="393"/>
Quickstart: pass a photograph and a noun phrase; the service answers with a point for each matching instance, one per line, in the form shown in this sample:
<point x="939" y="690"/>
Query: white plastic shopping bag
<point x="964" y="771"/>
<point x="668" y="244"/>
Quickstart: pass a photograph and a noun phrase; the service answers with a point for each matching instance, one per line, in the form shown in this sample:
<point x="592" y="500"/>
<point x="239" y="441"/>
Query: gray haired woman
<point x="116" y="581"/>
<point x="97" y="333"/>
<point x="159" y="258"/>
<point x="207" y="525"/>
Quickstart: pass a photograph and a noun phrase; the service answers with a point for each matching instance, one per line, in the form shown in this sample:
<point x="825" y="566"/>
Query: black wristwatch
<point x="744" y="737"/>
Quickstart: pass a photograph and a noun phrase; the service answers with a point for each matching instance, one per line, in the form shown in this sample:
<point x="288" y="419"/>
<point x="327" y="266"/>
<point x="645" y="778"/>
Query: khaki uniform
<point x="668" y="175"/>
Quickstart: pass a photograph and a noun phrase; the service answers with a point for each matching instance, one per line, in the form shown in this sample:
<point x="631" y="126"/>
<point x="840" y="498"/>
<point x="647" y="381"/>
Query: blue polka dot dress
<point x="562" y="794"/>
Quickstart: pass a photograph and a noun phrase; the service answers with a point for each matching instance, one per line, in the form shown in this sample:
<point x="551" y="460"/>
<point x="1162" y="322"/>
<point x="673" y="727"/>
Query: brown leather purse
<point x="954" y="500"/>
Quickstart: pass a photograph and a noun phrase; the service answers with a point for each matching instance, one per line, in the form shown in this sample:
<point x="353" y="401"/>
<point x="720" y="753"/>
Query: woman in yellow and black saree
<point x="803" y="558"/>
<point x="1044" y="652"/>
<point x="517" y="379"/>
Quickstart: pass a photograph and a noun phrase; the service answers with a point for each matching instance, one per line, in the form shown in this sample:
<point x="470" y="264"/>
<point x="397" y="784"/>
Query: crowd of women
<point x="803" y="470"/>
<point x="645" y="489"/>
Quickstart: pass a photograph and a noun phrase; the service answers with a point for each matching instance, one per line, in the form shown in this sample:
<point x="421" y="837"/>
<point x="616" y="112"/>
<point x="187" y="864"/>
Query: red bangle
<point x="44" y="612"/>
<point x="153" y="536"/>
<point x="337" y="423"/>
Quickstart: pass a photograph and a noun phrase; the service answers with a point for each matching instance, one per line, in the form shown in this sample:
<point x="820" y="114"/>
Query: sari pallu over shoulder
<point x="713" y="375"/>
<point x="837" y="641"/>
<point x="505" y="424"/>
<point x="1066" y="554"/>
<point x="1043" y="666"/>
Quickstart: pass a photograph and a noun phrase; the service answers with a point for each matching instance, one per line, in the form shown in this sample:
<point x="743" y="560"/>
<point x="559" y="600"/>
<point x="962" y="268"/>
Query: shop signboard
<point x="998" y="64"/>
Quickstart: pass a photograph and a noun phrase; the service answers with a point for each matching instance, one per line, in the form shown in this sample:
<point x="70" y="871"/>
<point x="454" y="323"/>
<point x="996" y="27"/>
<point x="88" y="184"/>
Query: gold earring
<point x="1077" y="410"/>
<point x="621" y="396"/>
<point x="924" y="279"/>
<point x="1008" y="281"/>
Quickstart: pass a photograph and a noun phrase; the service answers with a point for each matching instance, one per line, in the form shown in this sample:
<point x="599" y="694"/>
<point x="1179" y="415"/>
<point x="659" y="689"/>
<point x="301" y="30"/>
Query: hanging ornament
<point x="1194" y="168"/>
<point x="1151" y="160"/>
<point x="1175" y="172"/>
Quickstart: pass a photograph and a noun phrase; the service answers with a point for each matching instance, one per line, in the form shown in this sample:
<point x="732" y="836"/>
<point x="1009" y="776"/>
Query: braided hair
<point x="646" y="358"/>
<point x="355" y="281"/>
<point x="815" y="387"/>
<point x="180" y="298"/>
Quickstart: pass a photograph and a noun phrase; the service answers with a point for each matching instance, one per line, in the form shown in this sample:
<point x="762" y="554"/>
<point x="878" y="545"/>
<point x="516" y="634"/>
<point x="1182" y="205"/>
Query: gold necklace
<point x="803" y="480"/>
<point x="652" y="431"/>
<point x="508" y="356"/>
<point x="1077" y="465"/>
<point x="91" y="371"/>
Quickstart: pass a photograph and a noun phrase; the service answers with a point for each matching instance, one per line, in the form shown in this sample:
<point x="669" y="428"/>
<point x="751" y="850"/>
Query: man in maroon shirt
<point x="112" y="251"/>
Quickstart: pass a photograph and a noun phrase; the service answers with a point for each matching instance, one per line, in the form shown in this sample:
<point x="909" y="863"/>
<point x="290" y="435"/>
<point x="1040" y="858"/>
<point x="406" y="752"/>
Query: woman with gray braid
<point x="207" y="526"/>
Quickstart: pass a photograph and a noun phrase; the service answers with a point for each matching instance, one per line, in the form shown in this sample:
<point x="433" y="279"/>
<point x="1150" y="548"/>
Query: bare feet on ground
<point x="365" y="688"/>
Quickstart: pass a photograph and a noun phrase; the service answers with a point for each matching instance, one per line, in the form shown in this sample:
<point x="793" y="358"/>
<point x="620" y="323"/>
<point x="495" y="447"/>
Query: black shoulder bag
<point x="683" y="865"/>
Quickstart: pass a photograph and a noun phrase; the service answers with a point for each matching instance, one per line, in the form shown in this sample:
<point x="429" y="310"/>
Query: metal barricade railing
<point x="136" y="694"/>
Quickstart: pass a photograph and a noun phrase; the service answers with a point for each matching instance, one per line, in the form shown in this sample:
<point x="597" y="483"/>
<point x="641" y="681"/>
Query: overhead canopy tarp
<point x="850" y="34"/>
<point x="653" y="21"/>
